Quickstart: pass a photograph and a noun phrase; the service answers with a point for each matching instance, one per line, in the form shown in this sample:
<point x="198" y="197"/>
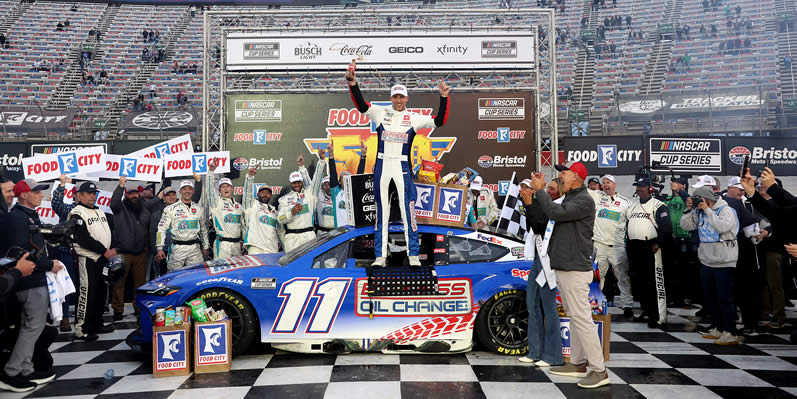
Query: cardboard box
<point x="450" y="205"/>
<point x="212" y="346"/>
<point x="604" y="323"/>
<point x="171" y="350"/>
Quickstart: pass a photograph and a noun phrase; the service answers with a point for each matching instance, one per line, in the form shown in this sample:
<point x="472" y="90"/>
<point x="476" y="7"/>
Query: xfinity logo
<point x="405" y="50"/>
<point x="446" y="49"/>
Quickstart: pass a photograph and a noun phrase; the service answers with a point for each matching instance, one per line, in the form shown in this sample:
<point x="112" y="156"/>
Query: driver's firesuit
<point x="396" y="131"/>
<point x="260" y="222"/>
<point x="186" y="224"/>
<point x="298" y="227"/>
<point x="226" y="216"/>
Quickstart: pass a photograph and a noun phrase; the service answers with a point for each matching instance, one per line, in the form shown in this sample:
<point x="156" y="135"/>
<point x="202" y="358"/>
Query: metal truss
<point x="218" y="82"/>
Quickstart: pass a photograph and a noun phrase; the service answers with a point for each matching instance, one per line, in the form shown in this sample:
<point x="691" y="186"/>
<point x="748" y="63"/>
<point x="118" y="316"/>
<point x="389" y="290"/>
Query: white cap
<point x="325" y="180"/>
<point x="186" y="183"/>
<point x="704" y="180"/>
<point x="223" y="181"/>
<point x="527" y="182"/>
<point x="398" y="89"/>
<point x="735" y="181"/>
<point x="610" y="177"/>
<point x="295" y="176"/>
<point x="476" y="184"/>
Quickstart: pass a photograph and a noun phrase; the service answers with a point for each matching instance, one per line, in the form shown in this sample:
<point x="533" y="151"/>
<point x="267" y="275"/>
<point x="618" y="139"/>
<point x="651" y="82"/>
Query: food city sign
<point x="50" y="166"/>
<point x="441" y="50"/>
<point x="134" y="168"/>
<point x="177" y="145"/>
<point x="188" y="164"/>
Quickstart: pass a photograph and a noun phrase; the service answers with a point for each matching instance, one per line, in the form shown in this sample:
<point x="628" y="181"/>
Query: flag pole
<point x="511" y="181"/>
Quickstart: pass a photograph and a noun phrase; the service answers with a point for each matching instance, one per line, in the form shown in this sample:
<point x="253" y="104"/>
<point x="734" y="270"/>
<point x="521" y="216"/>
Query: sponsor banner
<point x="780" y="154"/>
<point x="681" y="106"/>
<point x="621" y="155"/>
<point x="46" y="213"/>
<point x="11" y="155"/>
<point x="258" y="136"/>
<point x="34" y="121"/>
<point x="212" y="343"/>
<point x="144" y="169"/>
<point x="688" y="155"/>
<point x="188" y="164"/>
<point x="50" y="166"/>
<point x="258" y="111"/>
<point x="502" y="109"/>
<point x="418" y="50"/>
<point x="155" y="122"/>
<point x="54" y="148"/>
<point x="171" y="349"/>
<point x="455" y="298"/>
<point x="177" y="145"/>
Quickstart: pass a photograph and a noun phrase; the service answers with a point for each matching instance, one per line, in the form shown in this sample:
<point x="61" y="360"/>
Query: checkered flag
<point x="513" y="218"/>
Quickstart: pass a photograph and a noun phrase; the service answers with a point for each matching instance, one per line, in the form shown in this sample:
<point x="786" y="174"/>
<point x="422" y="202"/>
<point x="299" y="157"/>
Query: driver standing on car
<point x="226" y="215"/>
<point x="260" y="218"/>
<point x="185" y="221"/>
<point x="296" y="210"/>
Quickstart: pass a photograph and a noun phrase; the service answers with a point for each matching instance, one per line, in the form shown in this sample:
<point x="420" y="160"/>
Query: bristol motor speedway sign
<point x="188" y="164"/>
<point x="49" y="167"/>
<point x="780" y="154"/>
<point x="688" y="155"/>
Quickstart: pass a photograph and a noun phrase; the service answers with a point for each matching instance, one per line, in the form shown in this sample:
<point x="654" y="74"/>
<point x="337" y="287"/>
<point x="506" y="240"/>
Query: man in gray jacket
<point x="717" y="225"/>
<point x="570" y="252"/>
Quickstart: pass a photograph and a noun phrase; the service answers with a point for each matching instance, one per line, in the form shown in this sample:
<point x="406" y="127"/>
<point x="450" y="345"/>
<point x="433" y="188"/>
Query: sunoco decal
<point x="456" y="298"/>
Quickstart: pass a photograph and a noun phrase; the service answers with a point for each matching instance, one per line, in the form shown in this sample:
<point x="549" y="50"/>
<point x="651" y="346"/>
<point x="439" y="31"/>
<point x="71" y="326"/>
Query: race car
<point x="317" y="299"/>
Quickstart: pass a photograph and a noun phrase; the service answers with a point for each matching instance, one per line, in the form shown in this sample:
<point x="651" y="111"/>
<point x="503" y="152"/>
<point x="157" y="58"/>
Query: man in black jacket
<point x="19" y="374"/>
<point x="24" y="267"/>
<point x="131" y="238"/>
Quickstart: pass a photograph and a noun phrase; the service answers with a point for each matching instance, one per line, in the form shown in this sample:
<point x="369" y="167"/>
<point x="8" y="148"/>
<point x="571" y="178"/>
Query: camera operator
<point x="23" y="267"/>
<point x="19" y="374"/>
<point x="682" y="280"/>
<point x="92" y="245"/>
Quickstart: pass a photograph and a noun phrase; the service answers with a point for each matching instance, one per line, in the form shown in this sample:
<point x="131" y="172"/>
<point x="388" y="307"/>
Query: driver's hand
<point x="160" y="255"/>
<point x="252" y="171"/>
<point x="351" y="74"/>
<point x="212" y="165"/>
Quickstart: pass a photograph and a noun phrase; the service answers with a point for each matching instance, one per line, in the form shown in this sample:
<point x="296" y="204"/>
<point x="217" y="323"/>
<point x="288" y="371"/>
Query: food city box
<point x="604" y="323"/>
<point x="212" y="347"/>
<point x="171" y="350"/>
<point x="450" y="205"/>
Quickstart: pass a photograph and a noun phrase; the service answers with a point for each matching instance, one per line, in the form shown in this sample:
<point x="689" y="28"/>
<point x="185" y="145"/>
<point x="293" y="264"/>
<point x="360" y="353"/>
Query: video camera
<point x="60" y="234"/>
<point x="648" y="172"/>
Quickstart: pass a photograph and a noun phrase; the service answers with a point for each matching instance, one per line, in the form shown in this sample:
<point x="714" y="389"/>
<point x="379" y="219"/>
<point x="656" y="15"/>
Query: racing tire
<point x="243" y="318"/>
<point x="503" y="322"/>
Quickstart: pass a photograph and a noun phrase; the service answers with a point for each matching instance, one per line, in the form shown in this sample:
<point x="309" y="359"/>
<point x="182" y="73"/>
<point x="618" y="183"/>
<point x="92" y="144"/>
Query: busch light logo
<point x="424" y="206"/>
<point x="162" y="150"/>
<point x="128" y="167"/>
<point x="171" y="350"/>
<point x="450" y="205"/>
<point x="67" y="163"/>
<point x="503" y="134"/>
<point x="200" y="163"/>
<point x="607" y="156"/>
<point x="212" y="344"/>
<point x="503" y="187"/>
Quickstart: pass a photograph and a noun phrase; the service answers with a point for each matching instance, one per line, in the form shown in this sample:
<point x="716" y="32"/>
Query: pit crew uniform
<point x="609" y="239"/>
<point x="260" y="222"/>
<point x="396" y="131"/>
<point x="339" y="213"/>
<point x="186" y="224"/>
<point x="485" y="208"/>
<point x="298" y="227"/>
<point x="649" y="225"/>
<point x="226" y="215"/>
<point x="325" y="210"/>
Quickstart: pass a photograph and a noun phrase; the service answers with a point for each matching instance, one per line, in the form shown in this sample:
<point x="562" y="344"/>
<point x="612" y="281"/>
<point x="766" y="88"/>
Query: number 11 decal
<point x="296" y="295"/>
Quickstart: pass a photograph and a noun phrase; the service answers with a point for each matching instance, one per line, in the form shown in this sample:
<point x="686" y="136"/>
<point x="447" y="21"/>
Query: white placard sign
<point x="103" y="198"/>
<point x="46" y="213"/>
<point x="493" y="49"/>
<point x="144" y="169"/>
<point x="177" y="145"/>
<point x="188" y="164"/>
<point x="50" y="166"/>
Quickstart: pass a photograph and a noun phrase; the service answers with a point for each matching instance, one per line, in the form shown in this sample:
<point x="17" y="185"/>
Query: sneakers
<point x="118" y="316"/>
<point x="414" y="261"/>
<point x="17" y="383"/>
<point x="526" y="359"/>
<point x="41" y="376"/>
<point x="751" y="332"/>
<point x="712" y="334"/>
<point x="542" y="363"/>
<point x="379" y="262"/>
<point x="87" y="337"/>
<point x="728" y="339"/>
<point x="594" y="379"/>
<point x="570" y="370"/>
<point x="108" y="328"/>
<point x="628" y="313"/>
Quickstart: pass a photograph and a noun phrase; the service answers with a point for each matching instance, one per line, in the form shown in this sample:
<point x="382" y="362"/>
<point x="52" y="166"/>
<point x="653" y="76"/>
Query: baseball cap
<point x="223" y="181"/>
<point x="325" y="180"/>
<point x="610" y="177"/>
<point x="735" y="181"/>
<point x="526" y="182"/>
<point x="642" y="181"/>
<point x="704" y="180"/>
<point x="132" y="187"/>
<point x="23" y="186"/>
<point x="169" y="190"/>
<point x="576" y="167"/>
<point x="705" y="192"/>
<point x="680" y="179"/>
<point x="294" y="177"/>
<point x="88" y="187"/>
<point x="593" y="180"/>
<point x="186" y="183"/>
<point x="263" y="187"/>
<point x="476" y="184"/>
<point x="398" y="89"/>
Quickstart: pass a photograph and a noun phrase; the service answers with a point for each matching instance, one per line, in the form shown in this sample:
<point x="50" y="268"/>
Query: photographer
<point x="92" y="242"/>
<point x="682" y="280"/>
<point x="19" y="374"/>
<point x="23" y="267"/>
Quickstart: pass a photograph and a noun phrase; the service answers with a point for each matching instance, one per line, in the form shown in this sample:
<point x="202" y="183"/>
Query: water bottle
<point x="108" y="374"/>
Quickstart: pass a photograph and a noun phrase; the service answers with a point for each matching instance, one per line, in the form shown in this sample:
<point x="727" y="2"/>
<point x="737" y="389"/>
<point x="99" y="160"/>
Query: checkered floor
<point x="644" y="363"/>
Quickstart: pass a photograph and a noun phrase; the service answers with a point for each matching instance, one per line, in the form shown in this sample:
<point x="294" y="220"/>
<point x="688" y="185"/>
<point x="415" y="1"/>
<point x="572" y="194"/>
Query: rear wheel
<point x="503" y="323"/>
<point x="243" y="318"/>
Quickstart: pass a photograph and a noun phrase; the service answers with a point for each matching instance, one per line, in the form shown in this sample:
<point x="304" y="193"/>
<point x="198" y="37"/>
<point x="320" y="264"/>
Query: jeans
<point x="545" y="341"/>
<point x="718" y="285"/>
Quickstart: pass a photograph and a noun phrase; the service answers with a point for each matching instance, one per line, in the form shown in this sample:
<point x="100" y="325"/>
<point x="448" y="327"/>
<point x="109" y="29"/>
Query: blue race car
<point x="316" y="298"/>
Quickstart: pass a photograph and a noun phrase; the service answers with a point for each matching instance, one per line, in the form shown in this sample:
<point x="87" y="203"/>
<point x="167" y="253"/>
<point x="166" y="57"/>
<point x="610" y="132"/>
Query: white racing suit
<point x="609" y="239"/>
<point x="325" y="214"/>
<point x="486" y="207"/>
<point x="226" y="215"/>
<point x="186" y="224"/>
<point x="260" y="223"/>
<point x="396" y="131"/>
<point x="299" y="227"/>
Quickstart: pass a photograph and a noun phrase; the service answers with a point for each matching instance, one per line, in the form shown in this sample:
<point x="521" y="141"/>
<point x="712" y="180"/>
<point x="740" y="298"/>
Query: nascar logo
<point x="456" y="298"/>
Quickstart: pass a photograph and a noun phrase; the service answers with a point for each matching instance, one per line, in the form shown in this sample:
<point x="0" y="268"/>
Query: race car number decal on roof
<point x="456" y="297"/>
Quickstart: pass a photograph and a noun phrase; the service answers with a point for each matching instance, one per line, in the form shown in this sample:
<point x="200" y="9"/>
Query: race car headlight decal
<point x="162" y="290"/>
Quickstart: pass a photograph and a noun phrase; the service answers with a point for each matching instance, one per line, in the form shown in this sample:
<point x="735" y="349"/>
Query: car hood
<point x="219" y="267"/>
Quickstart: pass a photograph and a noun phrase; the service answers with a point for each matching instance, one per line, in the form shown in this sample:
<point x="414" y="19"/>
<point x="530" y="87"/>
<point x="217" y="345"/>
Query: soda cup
<point x="160" y="320"/>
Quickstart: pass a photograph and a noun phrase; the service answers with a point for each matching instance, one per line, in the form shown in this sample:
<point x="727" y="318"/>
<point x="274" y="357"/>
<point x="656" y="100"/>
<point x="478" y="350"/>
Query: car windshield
<point x="303" y="249"/>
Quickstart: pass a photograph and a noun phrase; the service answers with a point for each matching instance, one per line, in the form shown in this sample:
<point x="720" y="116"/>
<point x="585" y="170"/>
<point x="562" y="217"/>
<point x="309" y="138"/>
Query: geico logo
<point x="592" y="156"/>
<point x="509" y="160"/>
<point x="784" y="153"/>
<point x="12" y="160"/>
<point x="405" y="50"/>
<point x="346" y="117"/>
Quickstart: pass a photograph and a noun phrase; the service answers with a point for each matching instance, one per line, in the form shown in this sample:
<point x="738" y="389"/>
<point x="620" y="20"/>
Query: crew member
<point x="166" y="197"/>
<point x="482" y="201"/>
<point x="186" y="222"/>
<point x="396" y="128"/>
<point x="594" y="184"/>
<point x="684" y="276"/>
<point x="324" y="208"/>
<point x="296" y="210"/>
<point x="93" y="249"/>
<point x="611" y="209"/>
<point x="649" y="228"/>
<point x="226" y="214"/>
<point x="260" y="218"/>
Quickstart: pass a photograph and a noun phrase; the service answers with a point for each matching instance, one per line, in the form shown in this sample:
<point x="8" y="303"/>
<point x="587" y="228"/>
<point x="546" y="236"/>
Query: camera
<point x="696" y="201"/>
<point x="60" y="234"/>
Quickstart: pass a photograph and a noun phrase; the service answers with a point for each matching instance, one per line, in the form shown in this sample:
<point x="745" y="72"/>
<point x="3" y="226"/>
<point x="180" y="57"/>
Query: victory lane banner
<point x="50" y="166"/>
<point x="177" y="145"/>
<point x="188" y="164"/>
<point x="145" y="169"/>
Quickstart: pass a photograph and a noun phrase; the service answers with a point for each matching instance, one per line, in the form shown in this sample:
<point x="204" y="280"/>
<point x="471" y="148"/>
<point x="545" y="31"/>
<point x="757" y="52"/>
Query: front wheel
<point x="503" y="323"/>
<point x="243" y="319"/>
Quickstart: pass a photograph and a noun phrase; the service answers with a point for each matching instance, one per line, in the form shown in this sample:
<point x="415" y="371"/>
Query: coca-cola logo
<point x="367" y="198"/>
<point x="345" y="49"/>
